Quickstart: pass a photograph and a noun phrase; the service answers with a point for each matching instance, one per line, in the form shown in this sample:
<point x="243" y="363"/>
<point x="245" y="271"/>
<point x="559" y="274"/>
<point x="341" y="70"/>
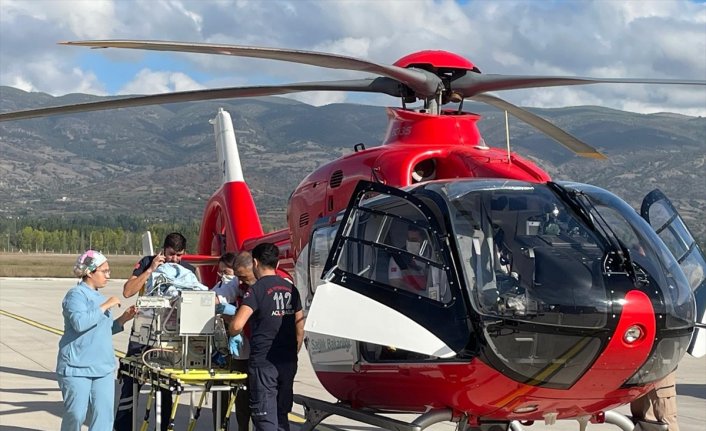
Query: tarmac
<point x="31" y="325"/>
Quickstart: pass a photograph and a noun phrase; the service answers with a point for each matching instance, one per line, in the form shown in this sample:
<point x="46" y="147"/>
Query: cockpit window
<point x="320" y="245"/>
<point x="389" y="241"/>
<point x="647" y="253"/>
<point x="681" y="244"/>
<point x="629" y="240"/>
<point x="527" y="255"/>
<point x="676" y="237"/>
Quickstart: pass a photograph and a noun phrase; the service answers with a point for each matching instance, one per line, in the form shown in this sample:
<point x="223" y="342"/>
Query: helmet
<point x="88" y="262"/>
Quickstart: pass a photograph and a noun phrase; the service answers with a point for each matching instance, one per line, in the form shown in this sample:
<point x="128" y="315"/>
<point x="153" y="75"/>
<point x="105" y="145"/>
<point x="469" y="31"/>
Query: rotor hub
<point x="435" y="60"/>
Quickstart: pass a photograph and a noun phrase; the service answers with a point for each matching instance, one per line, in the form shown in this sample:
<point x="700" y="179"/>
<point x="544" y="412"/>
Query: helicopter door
<point x="387" y="280"/>
<point x="665" y="220"/>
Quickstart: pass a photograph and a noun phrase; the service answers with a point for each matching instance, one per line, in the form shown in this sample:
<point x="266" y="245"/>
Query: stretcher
<point x="179" y="381"/>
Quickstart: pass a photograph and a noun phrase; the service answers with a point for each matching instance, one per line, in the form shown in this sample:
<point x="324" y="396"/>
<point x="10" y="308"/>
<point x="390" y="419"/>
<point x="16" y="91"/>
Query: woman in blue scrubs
<point x="86" y="362"/>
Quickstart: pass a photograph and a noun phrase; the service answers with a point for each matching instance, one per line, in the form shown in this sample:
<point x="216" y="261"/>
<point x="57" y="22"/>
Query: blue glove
<point x="227" y="309"/>
<point x="235" y="343"/>
<point x="219" y="359"/>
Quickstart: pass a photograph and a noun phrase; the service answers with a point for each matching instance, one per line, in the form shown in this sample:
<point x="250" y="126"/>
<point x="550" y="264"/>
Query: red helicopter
<point x="450" y="279"/>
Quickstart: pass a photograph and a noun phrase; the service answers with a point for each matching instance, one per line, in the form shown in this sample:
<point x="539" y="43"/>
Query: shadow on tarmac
<point x="31" y="391"/>
<point x="46" y="375"/>
<point x="11" y="408"/>
<point x="692" y="390"/>
<point x="10" y="428"/>
<point x="55" y="408"/>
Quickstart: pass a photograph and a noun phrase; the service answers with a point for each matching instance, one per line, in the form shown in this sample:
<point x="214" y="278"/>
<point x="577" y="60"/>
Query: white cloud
<point x="193" y="16"/>
<point x="152" y="82"/>
<point x="319" y="98"/>
<point x="80" y="18"/>
<point x="21" y="83"/>
<point x="647" y="39"/>
<point x="348" y="46"/>
<point x="631" y="11"/>
<point x="557" y="97"/>
<point x="46" y="75"/>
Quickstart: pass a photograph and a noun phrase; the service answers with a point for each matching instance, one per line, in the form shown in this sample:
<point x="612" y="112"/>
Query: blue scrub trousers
<point x="87" y="394"/>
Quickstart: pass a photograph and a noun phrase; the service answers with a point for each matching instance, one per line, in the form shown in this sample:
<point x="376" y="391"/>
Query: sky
<point x="601" y="38"/>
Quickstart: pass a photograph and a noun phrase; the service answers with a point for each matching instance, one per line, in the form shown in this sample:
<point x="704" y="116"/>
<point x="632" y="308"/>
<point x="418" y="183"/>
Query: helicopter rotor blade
<point x="425" y="84"/>
<point x="475" y="83"/>
<point x="569" y="141"/>
<point x="371" y="85"/>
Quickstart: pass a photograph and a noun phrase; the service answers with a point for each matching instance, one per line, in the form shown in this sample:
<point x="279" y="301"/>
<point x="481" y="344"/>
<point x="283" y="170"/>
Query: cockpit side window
<point x="389" y="241"/>
<point x="676" y="236"/>
<point x="629" y="239"/>
<point x="321" y="243"/>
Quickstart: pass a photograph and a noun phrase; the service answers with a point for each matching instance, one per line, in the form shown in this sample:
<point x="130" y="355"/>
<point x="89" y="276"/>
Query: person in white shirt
<point x="226" y="289"/>
<point x="236" y="276"/>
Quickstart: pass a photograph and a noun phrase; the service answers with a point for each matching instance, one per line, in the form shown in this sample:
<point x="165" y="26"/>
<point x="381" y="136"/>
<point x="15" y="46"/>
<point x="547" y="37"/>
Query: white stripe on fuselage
<point x="341" y="312"/>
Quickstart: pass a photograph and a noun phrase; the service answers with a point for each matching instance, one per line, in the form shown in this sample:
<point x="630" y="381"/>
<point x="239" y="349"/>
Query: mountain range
<point x="159" y="161"/>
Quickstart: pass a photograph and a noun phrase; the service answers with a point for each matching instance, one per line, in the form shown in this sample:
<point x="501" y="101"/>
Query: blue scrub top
<point x="86" y="348"/>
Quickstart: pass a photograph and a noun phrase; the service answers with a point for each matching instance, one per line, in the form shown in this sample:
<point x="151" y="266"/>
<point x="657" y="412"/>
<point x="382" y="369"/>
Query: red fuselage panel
<point x="452" y="140"/>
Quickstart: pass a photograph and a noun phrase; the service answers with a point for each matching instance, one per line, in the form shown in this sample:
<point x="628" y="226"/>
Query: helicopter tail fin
<point x="230" y="216"/>
<point x="227" y="148"/>
<point x="147" y="248"/>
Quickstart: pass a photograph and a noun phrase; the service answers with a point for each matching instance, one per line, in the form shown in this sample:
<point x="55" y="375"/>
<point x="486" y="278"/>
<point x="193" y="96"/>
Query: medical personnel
<point x="273" y="308"/>
<point x="86" y="363"/>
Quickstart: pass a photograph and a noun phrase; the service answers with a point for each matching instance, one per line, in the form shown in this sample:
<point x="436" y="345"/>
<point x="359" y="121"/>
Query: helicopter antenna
<point x="507" y="137"/>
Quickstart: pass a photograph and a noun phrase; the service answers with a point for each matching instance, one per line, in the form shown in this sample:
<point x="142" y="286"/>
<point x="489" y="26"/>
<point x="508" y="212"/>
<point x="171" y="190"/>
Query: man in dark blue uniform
<point x="173" y="249"/>
<point x="273" y="307"/>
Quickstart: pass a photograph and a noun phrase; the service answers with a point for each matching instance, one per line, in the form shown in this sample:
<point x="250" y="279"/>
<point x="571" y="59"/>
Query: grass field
<point x="57" y="265"/>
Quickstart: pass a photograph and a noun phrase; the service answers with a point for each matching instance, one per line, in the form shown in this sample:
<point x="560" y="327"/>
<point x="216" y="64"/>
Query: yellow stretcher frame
<point x="178" y="381"/>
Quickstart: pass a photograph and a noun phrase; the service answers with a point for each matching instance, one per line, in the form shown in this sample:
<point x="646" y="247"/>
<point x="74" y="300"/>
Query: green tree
<point x="26" y="238"/>
<point x="38" y="240"/>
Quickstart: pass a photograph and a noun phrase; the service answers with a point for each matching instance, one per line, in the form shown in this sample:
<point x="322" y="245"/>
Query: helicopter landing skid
<point x="316" y="410"/>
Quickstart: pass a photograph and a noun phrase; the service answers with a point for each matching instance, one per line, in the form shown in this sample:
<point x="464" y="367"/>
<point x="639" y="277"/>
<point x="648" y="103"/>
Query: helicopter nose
<point x="628" y="348"/>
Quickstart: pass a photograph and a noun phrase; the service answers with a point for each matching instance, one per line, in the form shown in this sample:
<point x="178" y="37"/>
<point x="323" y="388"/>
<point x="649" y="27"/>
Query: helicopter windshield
<point x="527" y="255"/>
<point x="648" y="256"/>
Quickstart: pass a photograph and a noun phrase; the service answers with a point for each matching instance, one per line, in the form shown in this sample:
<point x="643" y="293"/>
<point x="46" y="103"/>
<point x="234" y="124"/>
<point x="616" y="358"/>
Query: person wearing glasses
<point x="85" y="364"/>
<point x="172" y="251"/>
